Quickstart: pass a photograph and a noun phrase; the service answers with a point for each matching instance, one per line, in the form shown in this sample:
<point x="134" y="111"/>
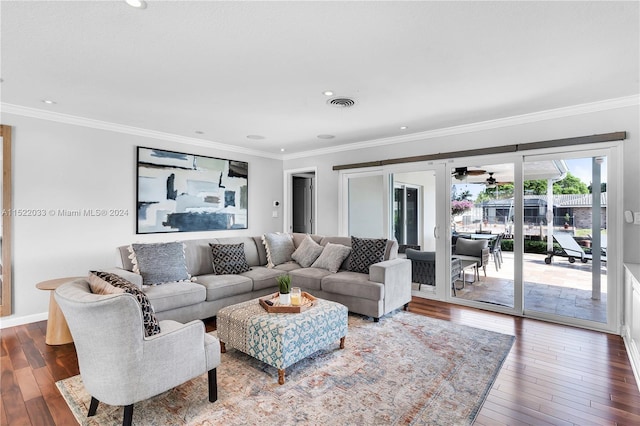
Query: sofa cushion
<point x="261" y="251"/>
<point x="108" y="283"/>
<point x="221" y="286"/>
<point x="308" y="278"/>
<point x="307" y="252"/>
<point x="175" y="295"/>
<point x="365" y="252"/>
<point x="279" y="246"/>
<point x="159" y="263"/>
<point x="289" y="266"/>
<point x="251" y="251"/>
<point x="299" y="237"/>
<point x="263" y="277"/>
<point x="332" y="257"/>
<point x="198" y="255"/>
<point x="353" y="284"/>
<point x="229" y="259"/>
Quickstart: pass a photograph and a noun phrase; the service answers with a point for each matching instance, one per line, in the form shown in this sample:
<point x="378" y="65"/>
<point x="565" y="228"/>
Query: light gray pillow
<point x="279" y="247"/>
<point x="307" y="252"/>
<point x="332" y="257"/>
<point x="159" y="263"/>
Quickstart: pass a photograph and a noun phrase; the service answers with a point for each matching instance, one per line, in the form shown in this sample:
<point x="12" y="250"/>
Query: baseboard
<point x="632" y="353"/>
<point x="27" y="319"/>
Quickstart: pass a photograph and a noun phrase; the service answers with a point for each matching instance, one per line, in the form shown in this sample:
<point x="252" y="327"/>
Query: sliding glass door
<point x="482" y="232"/>
<point x="566" y="229"/>
<point x="529" y="235"/>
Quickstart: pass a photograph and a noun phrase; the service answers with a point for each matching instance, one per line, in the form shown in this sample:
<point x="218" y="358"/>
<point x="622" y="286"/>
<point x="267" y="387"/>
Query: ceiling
<point x="219" y="72"/>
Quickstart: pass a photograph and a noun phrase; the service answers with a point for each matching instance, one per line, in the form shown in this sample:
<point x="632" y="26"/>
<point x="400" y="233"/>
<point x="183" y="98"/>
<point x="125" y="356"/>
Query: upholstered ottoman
<point x="281" y="340"/>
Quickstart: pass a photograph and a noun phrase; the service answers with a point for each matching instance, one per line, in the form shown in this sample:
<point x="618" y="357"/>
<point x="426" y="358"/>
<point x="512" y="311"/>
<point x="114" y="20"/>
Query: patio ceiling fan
<point x="491" y="182"/>
<point x="460" y="173"/>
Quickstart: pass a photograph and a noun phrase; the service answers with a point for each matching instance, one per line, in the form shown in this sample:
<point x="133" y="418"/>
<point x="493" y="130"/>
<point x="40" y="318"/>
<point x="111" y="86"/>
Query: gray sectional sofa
<point x="385" y="288"/>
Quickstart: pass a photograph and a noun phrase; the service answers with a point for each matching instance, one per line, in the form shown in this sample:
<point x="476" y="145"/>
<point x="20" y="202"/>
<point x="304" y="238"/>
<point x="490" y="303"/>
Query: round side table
<point x="57" y="329"/>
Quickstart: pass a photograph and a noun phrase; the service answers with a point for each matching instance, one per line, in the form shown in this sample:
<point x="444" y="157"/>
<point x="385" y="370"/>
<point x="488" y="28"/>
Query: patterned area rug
<point x="406" y="369"/>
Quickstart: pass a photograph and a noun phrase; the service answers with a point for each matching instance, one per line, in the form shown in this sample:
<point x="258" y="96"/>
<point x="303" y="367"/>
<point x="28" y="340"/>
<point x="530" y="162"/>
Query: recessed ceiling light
<point x="138" y="4"/>
<point x="326" y="136"/>
<point x="257" y="137"/>
<point x="48" y="102"/>
<point x="327" y="93"/>
<point x="281" y="149"/>
<point x="403" y="127"/>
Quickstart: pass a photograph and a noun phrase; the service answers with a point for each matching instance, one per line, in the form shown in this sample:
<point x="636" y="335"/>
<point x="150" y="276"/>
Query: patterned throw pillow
<point x="108" y="283"/>
<point x="332" y="257"/>
<point x="307" y="252"/>
<point x="229" y="259"/>
<point x="366" y="252"/>
<point x="279" y="247"/>
<point x="159" y="263"/>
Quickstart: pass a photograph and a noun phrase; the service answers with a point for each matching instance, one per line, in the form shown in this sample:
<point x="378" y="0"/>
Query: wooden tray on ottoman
<point x="307" y="302"/>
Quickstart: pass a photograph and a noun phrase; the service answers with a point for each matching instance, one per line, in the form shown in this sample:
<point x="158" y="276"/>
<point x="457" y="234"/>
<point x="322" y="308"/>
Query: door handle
<point x="435" y="232"/>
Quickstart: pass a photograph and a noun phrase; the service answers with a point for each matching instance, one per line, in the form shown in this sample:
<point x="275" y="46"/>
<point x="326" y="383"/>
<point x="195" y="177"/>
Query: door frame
<point x="287" y="219"/>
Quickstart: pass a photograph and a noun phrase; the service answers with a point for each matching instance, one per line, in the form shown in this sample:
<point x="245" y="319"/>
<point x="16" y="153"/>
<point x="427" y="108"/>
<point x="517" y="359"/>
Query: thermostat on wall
<point x="632" y="217"/>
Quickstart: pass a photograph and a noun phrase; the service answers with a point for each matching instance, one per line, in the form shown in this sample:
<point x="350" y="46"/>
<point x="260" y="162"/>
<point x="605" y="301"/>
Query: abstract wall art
<point x="180" y="192"/>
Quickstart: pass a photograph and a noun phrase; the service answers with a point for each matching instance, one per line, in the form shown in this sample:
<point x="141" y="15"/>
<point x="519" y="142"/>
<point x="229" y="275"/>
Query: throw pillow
<point x="160" y="262"/>
<point x="113" y="283"/>
<point x="307" y="252"/>
<point x="229" y="259"/>
<point x="279" y="247"/>
<point x="366" y="252"/>
<point x="332" y="257"/>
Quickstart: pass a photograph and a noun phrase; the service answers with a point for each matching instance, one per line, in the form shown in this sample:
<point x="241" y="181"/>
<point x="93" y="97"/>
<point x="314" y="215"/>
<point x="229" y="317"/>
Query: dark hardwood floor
<point x="553" y="374"/>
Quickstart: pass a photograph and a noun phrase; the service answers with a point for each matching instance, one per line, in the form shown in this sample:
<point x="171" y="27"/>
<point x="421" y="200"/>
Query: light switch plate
<point x="636" y="218"/>
<point x="274" y="213"/>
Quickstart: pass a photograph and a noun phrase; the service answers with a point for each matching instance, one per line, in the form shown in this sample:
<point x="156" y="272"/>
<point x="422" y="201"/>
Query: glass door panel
<point x="565" y="230"/>
<point x="482" y="232"/>
<point x="414" y="223"/>
<point x="366" y="206"/>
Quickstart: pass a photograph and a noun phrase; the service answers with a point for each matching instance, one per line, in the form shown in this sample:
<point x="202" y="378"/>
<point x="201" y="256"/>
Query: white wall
<point x="60" y="166"/>
<point x="619" y="119"/>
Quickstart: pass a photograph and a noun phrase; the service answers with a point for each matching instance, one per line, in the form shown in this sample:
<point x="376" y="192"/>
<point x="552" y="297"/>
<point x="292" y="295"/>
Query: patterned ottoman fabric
<point x="281" y="340"/>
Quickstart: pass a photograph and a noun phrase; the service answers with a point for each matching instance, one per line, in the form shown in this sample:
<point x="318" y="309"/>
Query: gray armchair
<point x="118" y="364"/>
<point x="423" y="268"/>
<point x="473" y="250"/>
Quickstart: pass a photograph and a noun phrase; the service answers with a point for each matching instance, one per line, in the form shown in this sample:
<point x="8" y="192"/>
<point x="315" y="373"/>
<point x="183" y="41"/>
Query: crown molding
<point x="130" y="130"/>
<point x="551" y="114"/>
<point x="574" y="110"/>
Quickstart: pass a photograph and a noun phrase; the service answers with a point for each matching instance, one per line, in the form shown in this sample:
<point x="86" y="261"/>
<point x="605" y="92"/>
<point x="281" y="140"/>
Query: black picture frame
<point x="181" y="192"/>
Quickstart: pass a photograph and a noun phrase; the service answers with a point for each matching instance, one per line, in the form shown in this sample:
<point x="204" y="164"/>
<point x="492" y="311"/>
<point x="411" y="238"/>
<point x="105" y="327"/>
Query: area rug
<point x="405" y="369"/>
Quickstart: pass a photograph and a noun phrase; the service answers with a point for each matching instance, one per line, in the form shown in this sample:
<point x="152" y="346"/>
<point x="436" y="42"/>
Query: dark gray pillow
<point x="279" y="247"/>
<point x="365" y="252"/>
<point x="108" y="283"/>
<point x="229" y="259"/>
<point x="307" y="252"/>
<point x="159" y="263"/>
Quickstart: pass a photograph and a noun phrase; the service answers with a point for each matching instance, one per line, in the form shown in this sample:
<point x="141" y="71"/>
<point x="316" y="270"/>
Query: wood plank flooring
<point x="553" y="375"/>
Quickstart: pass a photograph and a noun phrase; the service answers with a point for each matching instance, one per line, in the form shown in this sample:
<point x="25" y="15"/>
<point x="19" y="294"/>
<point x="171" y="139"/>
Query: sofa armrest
<point x="132" y="277"/>
<point x="395" y="275"/>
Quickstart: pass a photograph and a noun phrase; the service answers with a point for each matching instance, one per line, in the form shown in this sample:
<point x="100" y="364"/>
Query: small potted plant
<point x="284" y="286"/>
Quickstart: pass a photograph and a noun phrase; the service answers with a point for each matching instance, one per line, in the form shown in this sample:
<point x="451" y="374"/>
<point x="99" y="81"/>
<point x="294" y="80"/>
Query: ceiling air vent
<point x="341" y="102"/>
